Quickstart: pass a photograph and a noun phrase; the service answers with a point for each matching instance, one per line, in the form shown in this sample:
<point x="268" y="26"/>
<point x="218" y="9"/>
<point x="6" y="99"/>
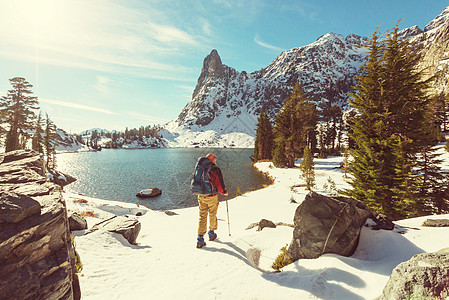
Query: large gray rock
<point x="127" y="226"/>
<point x="36" y="254"/>
<point x="436" y="223"/>
<point x="15" y="208"/>
<point x="424" y="276"/>
<point x="327" y="225"/>
<point x="77" y="222"/>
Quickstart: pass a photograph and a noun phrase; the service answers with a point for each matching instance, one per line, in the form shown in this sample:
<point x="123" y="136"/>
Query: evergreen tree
<point x="17" y="111"/>
<point x="372" y="168"/>
<point x="263" y="146"/>
<point x="38" y="141"/>
<point x="279" y="159"/>
<point x="307" y="168"/>
<point x="433" y="190"/>
<point x="390" y="127"/>
<point x="50" y="143"/>
<point x="295" y="125"/>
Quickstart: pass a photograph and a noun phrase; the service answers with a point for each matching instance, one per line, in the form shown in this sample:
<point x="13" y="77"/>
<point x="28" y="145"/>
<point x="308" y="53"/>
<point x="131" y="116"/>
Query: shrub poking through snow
<point x="80" y="201"/>
<point x="87" y="213"/>
<point x="307" y="168"/>
<point x="330" y="186"/>
<point x="281" y="261"/>
<point x="238" y="192"/>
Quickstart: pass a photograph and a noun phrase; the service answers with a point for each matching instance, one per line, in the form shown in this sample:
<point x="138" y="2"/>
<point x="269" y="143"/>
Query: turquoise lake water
<point x="118" y="174"/>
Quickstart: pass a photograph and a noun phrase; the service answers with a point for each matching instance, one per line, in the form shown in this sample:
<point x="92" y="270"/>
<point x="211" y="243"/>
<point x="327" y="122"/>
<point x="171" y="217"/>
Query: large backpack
<point x="201" y="184"/>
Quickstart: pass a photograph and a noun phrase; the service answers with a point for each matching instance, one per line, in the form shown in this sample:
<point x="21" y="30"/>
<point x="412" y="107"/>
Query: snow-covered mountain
<point x="226" y="103"/>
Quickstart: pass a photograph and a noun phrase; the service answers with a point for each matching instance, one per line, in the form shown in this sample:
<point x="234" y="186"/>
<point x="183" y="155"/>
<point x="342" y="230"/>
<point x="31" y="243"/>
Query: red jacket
<point x="217" y="179"/>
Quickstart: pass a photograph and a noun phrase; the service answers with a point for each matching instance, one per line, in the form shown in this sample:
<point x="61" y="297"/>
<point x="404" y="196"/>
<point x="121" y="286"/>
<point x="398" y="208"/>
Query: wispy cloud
<point x="102" y="84"/>
<point x="77" y="106"/>
<point x="145" y="117"/>
<point x="258" y="41"/>
<point x="206" y="26"/>
<point x="169" y="34"/>
<point x="103" y="35"/>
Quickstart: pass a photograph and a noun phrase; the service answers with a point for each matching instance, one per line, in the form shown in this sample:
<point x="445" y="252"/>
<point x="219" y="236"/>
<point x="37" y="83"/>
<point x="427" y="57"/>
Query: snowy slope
<point x="166" y="265"/>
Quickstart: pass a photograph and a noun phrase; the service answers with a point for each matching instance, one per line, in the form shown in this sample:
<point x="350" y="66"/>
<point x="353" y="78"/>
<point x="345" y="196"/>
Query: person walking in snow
<point x="207" y="182"/>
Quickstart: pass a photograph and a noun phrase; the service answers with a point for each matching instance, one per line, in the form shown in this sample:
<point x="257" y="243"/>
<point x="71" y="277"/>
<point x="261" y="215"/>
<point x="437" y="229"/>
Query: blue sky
<point x="118" y="63"/>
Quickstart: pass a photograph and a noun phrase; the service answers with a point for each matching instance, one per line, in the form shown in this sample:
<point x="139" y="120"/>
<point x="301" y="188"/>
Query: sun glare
<point x="39" y="20"/>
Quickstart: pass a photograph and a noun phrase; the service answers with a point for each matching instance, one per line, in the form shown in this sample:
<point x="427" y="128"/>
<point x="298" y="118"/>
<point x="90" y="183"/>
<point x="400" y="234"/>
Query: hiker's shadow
<point x="323" y="283"/>
<point x="239" y="253"/>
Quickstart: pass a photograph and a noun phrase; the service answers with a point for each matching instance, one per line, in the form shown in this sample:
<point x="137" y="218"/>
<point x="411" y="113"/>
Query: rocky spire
<point x="212" y="68"/>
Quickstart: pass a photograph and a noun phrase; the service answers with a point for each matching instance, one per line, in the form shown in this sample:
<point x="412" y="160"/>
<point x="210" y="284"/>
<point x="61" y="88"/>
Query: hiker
<point x="207" y="182"/>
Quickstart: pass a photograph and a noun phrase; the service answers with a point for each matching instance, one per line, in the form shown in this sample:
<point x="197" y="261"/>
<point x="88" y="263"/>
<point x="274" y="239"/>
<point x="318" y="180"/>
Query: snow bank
<point x="166" y="265"/>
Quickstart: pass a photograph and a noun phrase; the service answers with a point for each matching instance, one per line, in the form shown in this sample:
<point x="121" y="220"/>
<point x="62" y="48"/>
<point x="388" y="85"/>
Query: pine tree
<point x="279" y="159"/>
<point x="50" y="143"/>
<point x="17" y="111"/>
<point x="307" y="168"/>
<point x="263" y="146"/>
<point x="295" y="125"/>
<point x="38" y="141"/>
<point x="373" y="173"/>
<point x="390" y="127"/>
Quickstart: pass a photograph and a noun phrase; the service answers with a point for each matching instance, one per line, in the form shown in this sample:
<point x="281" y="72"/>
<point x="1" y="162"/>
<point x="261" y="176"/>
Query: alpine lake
<point x="119" y="174"/>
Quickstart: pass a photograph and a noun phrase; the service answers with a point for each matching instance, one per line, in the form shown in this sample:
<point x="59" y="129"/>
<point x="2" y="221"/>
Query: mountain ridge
<point x="226" y="101"/>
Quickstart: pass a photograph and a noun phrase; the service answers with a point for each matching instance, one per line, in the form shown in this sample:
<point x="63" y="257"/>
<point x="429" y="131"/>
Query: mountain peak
<point x="212" y="65"/>
<point x="439" y="20"/>
<point x="212" y="68"/>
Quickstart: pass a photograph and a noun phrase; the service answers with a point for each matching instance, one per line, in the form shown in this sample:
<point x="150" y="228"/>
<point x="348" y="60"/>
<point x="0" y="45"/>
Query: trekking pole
<point x="227" y="212"/>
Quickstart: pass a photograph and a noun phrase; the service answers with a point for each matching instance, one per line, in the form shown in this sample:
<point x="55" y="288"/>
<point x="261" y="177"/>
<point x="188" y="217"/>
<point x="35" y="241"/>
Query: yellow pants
<point x="208" y="205"/>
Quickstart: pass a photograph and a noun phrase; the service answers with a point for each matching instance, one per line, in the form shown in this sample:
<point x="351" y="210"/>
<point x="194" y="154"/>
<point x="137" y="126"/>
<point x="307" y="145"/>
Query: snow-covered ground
<point x="166" y="264"/>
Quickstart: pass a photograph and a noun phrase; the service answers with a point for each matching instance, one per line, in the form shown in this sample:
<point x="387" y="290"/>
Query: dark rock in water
<point x="146" y="193"/>
<point x="265" y="223"/>
<point x="127" y="226"/>
<point x="37" y="259"/>
<point x="327" y="225"/>
<point x="436" y="223"/>
<point x="424" y="276"/>
<point x="77" y="222"/>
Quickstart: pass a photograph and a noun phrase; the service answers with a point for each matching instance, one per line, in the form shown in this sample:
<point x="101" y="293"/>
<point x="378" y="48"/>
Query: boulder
<point x="60" y="178"/>
<point x="265" y="223"/>
<point x="15" y="207"/>
<point x="424" y="276"/>
<point x="77" y="222"/>
<point x="36" y="253"/>
<point x="146" y="193"/>
<point x="327" y="225"/>
<point x="382" y="222"/>
<point x="129" y="227"/>
<point x="436" y="223"/>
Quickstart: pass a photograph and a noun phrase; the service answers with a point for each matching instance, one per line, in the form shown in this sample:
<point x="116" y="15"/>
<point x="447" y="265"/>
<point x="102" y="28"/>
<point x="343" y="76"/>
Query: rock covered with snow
<point x="127" y="226"/>
<point x="424" y="276"/>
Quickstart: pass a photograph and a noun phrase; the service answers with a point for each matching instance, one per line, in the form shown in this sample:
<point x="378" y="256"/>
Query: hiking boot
<point x="212" y="235"/>
<point x="200" y="241"/>
<point x="198" y="245"/>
